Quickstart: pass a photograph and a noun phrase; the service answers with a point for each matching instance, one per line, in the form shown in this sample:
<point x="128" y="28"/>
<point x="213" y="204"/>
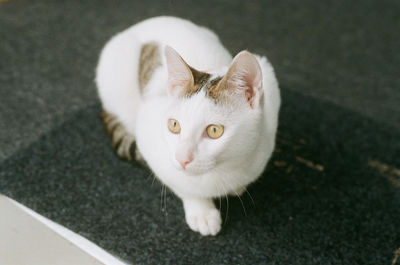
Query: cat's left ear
<point x="245" y="75"/>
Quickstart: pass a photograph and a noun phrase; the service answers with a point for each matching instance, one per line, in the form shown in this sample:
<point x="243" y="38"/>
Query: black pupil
<point x="215" y="129"/>
<point x="174" y="123"/>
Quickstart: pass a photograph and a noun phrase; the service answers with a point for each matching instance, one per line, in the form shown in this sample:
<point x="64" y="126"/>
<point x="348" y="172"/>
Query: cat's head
<point x="212" y="119"/>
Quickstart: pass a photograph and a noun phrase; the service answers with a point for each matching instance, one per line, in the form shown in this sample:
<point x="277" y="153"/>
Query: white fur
<point x="220" y="166"/>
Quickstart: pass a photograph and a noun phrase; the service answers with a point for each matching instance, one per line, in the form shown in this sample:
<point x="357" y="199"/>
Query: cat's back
<point x="199" y="46"/>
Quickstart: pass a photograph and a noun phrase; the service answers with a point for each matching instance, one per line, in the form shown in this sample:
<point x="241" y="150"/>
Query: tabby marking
<point x="215" y="90"/>
<point x="122" y="141"/>
<point x="199" y="80"/>
<point x="150" y="59"/>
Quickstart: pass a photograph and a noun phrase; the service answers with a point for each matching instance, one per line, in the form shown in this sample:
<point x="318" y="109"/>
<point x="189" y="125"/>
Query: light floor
<point x="30" y="239"/>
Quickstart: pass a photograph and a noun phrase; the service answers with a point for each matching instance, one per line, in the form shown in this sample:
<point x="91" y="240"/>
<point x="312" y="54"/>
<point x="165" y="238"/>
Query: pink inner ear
<point x="179" y="74"/>
<point x="245" y="74"/>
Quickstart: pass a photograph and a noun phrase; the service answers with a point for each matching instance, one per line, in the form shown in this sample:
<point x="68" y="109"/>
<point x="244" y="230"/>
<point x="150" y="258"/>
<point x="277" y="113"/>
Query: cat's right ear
<point x="179" y="74"/>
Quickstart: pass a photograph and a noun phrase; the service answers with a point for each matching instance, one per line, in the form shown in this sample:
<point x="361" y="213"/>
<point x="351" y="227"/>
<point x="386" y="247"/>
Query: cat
<point x="174" y="98"/>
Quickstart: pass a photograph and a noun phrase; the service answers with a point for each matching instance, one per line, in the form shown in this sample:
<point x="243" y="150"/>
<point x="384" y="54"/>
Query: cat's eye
<point x="174" y="126"/>
<point x="215" y="131"/>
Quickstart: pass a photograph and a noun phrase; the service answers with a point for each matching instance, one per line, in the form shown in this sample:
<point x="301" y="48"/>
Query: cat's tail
<point x="122" y="141"/>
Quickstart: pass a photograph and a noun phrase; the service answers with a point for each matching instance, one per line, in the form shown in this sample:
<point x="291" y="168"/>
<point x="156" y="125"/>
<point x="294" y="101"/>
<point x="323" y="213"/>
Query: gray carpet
<point x="331" y="192"/>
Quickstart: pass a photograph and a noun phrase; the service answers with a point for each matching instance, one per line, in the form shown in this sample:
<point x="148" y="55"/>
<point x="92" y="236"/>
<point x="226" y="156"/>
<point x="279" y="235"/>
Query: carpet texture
<point x="331" y="192"/>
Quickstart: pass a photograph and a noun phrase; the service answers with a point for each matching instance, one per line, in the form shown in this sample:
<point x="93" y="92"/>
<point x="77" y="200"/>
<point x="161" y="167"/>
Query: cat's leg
<point x="123" y="142"/>
<point x="202" y="216"/>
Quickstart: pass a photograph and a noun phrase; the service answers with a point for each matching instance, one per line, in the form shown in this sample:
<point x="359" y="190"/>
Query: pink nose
<point x="185" y="162"/>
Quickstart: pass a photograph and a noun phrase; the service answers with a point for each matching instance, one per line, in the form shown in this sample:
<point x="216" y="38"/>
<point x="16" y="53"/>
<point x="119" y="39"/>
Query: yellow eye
<point x="215" y="131"/>
<point x="174" y="126"/>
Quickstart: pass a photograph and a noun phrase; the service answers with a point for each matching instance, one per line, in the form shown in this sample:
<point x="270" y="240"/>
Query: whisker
<point x="227" y="208"/>
<point x="241" y="202"/>
<point x="219" y="197"/>
<point x="161" y="197"/>
<point x="165" y="200"/>
<point x="237" y="195"/>
<point x="248" y="193"/>
<point x="154" y="178"/>
<point x="227" y="200"/>
<point x="219" y="203"/>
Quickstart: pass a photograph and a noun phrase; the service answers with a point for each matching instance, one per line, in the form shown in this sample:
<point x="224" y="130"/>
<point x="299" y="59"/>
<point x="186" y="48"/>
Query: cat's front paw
<point x="205" y="222"/>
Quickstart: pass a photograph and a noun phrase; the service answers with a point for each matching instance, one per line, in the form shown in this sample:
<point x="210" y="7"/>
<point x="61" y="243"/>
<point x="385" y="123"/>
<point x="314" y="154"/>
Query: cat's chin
<point x="194" y="171"/>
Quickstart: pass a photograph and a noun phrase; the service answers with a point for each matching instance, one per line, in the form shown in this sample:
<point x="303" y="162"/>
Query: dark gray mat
<point x="326" y="197"/>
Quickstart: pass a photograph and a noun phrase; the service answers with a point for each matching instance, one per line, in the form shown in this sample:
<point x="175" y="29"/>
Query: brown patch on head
<point x="150" y="59"/>
<point x="215" y="90"/>
<point x="200" y="79"/>
<point x="183" y="80"/>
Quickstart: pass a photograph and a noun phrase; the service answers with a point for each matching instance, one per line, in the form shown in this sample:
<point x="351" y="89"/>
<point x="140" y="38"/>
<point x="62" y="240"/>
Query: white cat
<point x="205" y="124"/>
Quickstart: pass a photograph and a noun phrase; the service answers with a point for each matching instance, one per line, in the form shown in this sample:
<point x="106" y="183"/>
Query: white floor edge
<point x="89" y="247"/>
